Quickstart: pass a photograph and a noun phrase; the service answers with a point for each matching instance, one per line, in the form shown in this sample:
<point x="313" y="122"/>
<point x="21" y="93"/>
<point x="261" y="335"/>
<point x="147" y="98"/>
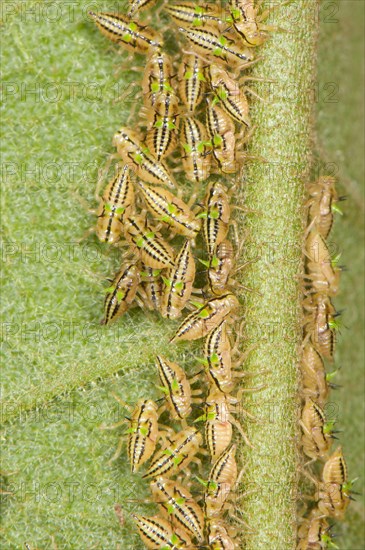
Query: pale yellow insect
<point x="322" y="204"/>
<point x="220" y="267"/>
<point x="116" y="203"/>
<point x="179" y="450"/>
<point x="209" y="42"/>
<point x="138" y="6"/>
<point x="191" y="15"/>
<point x="143" y="432"/>
<point x="219" y="537"/>
<point x="221" y="131"/>
<point x="133" y="36"/>
<point x="139" y="158"/>
<point x="192" y="82"/>
<point x="247" y="22"/>
<point x="178" y="284"/>
<point x="148" y="244"/>
<point x="206" y="318"/>
<point x="317" y="432"/>
<point x="176" y="387"/>
<point x="121" y="293"/>
<point x="170" y="210"/>
<point x="157" y="533"/>
<point x="314" y="532"/>
<point x="322" y="274"/>
<point x="157" y="77"/>
<point x="151" y="287"/>
<point x="177" y="504"/>
<point x="216" y="216"/>
<point x="219" y="421"/>
<point x="221" y="480"/>
<point x="315" y="380"/>
<point x="162" y="129"/>
<point x="335" y="490"/>
<point x="218" y="359"/>
<point x="195" y="150"/>
<point x="320" y="324"/>
<point x="230" y="96"/>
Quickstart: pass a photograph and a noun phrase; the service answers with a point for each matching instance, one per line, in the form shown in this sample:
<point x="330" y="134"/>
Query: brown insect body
<point x="162" y="128"/>
<point x="221" y="479"/>
<point x="195" y="148"/>
<point x="170" y="460"/>
<point x="156" y="533"/>
<point x="323" y="196"/>
<point x="178" y="284"/>
<point x="170" y="210"/>
<point x="192" y="82"/>
<point x="216" y="216"/>
<point x="177" y="504"/>
<point x="116" y="203"/>
<point x="323" y="276"/>
<point x="319" y="318"/>
<point x="150" y="246"/>
<point x="231" y="98"/>
<point x="151" y="287"/>
<point x="177" y="388"/>
<point x="157" y="77"/>
<point x="143" y="433"/>
<point x="133" y="36"/>
<point x="220" y="267"/>
<point x="221" y="130"/>
<point x="139" y="158"/>
<point x="121" y="293"/>
<point x="199" y="323"/>
<point x="314" y="382"/>
<point x="317" y="434"/>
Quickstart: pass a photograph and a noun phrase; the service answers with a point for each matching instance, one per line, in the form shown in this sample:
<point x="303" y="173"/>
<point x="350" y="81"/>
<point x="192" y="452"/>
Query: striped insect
<point x="116" y="203"/>
<point x="181" y="450"/>
<point x="220" y="267"/>
<point x="218" y="360"/>
<point x="139" y="158"/>
<point x="121" y="293"/>
<point x="195" y="149"/>
<point x="322" y="273"/>
<point x="153" y="251"/>
<point x="150" y="287"/>
<point x="248" y="23"/>
<point x="322" y="205"/>
<point x="320" y="324"/>
<point x="133" y="36"/>
<point x="192" y="82"/>
<point x="177" y="504"/>
<point x="209" y="42"/>
<point x="157" y="533"/>
<point x="206" y="318"/>
<point x="162" y="129"/>
<point x="136" y="6"/>
<point x="219" y="421"/>
<point x="178" y="284"/>
<point x="170" y="210"/>
<point x="192" y="16"/>
<point x="229" y="95"/>
<point x="216" y="216"/>
<point x="314" y="532"/>
<point x="177" y="388"/>
<point x="142" y="434"/>
<point x="221" y="480"/>
<point x="335" y="489"/>
<point x="157" y="77"/>
<point x="221" y="131"/>
<point x="317" y="431"/>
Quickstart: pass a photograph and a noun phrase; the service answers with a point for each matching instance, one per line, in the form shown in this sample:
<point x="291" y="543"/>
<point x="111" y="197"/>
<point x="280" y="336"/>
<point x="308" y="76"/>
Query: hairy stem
<point x="274" y="226"/>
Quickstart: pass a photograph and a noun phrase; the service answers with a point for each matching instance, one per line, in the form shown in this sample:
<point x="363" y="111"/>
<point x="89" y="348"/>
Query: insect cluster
<point x="321" y="283"/>
<point x="195" y="103"/>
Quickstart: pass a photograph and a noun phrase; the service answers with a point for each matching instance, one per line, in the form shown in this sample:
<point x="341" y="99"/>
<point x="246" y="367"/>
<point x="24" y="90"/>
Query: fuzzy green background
<point x="59" y="112"/>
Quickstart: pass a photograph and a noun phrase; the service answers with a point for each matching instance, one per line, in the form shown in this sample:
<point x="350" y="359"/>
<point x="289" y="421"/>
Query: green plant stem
<point x="274" y="194"/>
